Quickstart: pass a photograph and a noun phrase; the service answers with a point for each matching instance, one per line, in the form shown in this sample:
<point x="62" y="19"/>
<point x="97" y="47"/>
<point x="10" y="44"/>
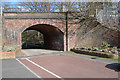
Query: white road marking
<point x="43" y="68"/>
<point x="28" y="69"/>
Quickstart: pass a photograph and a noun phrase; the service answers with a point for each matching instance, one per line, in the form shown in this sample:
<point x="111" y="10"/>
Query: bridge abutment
<point x="0" y="27"/>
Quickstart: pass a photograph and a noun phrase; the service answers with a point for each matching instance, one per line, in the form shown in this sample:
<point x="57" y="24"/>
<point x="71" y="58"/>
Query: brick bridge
<point x="59" y="33"/>
<point x="51" y="25"/>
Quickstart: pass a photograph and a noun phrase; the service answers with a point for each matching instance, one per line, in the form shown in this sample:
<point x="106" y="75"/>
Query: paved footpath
<point x="59" y="65"/>
<point x="11" y="68"/>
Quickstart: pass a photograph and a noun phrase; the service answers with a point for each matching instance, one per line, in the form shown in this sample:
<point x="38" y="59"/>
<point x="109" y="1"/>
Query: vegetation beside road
<point x="105" y="51"/>
<point x="114" y="59"/>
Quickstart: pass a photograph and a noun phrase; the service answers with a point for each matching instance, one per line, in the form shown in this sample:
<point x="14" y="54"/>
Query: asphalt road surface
<point x="58" y="66"/>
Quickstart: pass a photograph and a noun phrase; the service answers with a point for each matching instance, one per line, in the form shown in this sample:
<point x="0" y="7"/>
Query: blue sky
<point x="17" y="1"/>
<point x="49" y="0"/>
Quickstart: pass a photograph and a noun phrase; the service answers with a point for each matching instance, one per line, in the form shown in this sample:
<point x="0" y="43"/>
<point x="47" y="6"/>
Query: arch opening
<point x="50" y="37"/>
<point x="32" y="39"/>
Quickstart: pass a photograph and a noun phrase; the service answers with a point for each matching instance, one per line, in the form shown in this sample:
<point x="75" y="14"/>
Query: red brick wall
<point x="87" y="33"/>
<point x="14" y="27"/>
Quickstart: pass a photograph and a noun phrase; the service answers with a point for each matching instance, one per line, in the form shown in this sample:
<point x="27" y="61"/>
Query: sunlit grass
<point x="114" y="59"/>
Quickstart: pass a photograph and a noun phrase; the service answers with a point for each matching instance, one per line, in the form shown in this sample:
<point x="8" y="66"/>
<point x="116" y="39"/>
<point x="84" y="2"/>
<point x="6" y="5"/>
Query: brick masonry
<point x="91" y="33"/>
<point x="87" y="33"/>
<point x="14" y="27"/>
<point x="0" y="34"/>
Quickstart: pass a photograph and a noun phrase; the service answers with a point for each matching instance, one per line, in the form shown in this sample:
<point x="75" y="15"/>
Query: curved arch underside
<point x="53" y="37"/>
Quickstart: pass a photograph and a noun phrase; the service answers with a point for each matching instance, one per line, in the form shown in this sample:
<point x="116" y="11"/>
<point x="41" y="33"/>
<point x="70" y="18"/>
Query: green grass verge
<point x="115" y="59"/>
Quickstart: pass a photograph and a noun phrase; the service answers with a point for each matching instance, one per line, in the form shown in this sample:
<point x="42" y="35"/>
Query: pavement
<point x="44" y="52"/>
<point x="36" y="52"/>
<point x="57" y="64"/>
<point x="11" y="68"/>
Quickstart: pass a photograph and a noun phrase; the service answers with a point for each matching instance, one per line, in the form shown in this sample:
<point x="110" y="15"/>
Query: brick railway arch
<point x="53" y="36"/>
<point x="15" y="25"/>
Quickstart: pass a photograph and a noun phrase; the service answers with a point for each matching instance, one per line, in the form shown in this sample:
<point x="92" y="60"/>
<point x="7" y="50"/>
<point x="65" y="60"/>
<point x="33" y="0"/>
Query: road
<point x="58" y="65"/>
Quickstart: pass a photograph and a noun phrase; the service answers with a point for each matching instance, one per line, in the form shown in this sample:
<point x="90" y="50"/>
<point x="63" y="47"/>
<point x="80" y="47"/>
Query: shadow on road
<point x="114" y="66"/>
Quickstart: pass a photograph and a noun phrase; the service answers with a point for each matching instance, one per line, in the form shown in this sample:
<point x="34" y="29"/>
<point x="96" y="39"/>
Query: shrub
<point x="105" y="45"/>
<point x="93" y="53"/>
<point x="83" y="48"/>
<point x="89" y="48"/>
<point x="10" y="49"/>
<point x="95" y="49"/>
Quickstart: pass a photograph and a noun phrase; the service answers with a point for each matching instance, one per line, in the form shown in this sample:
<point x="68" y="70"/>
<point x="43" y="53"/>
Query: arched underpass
<point x="32" y="39"/>
<point x="53" y="37"/>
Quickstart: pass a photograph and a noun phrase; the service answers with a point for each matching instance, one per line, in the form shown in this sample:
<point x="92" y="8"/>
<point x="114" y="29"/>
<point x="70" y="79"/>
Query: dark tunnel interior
<point x="53" y="37"/>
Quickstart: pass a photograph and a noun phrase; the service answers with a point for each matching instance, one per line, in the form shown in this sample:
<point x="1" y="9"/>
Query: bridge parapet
<point x="34" y="15"/>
